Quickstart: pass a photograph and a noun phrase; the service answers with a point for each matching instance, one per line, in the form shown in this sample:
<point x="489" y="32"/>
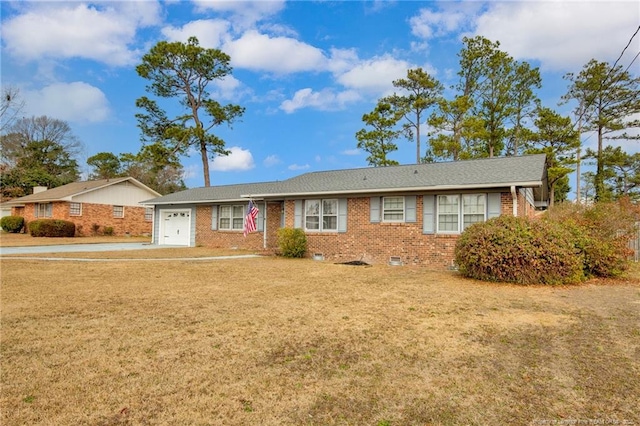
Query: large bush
<point x="52" y="228"/>
<point x="601" y="232"/>
<point x="519" y="250"/>
<point x="13" y="224"/>
<point x="292" y="242"/>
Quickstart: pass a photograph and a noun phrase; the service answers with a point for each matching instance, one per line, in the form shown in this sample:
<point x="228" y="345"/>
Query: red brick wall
<point x="133" y="222"/>
<point x="370" y="242"/>
<point x="377" y="242"/>
<point x="206" y="237"/>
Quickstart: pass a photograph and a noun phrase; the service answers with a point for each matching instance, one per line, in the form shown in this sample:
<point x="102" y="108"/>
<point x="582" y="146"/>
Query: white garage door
<point x="175" y="227"/>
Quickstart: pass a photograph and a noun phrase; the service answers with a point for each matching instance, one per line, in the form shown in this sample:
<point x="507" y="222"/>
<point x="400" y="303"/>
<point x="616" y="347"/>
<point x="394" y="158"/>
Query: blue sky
<point x="306" y="71"/>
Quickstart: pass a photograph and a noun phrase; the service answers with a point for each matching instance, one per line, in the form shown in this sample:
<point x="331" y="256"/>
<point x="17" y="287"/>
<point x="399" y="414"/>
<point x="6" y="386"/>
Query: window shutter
<point x="297" y="214"/>
<point x="493" y="205"/>
<point x="428" y="214"/>
<point x="214" y="217"/>
<point x="374" y="209"/>
<point x="342" y="215"/>
<point x="260" y="218"/>
<point x="410" y="208"/>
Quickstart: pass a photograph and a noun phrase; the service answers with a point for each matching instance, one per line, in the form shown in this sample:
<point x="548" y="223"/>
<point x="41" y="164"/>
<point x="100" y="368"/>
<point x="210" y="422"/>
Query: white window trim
<point x="460" y="212"/>
<point x="114" y="212"/>
<point x="321" y="214"/>
<point x="402" y="210"/>
<point x="48" y="210"/>
<point x="70" y="209"/>
<point x="148" y="209"/>
<point x="231" y="217"/>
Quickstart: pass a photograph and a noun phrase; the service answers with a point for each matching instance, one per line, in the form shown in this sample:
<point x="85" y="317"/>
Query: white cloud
<point x="75" y="102"/>
<point x="298" y="167"/>
<point x="375" y="75"/>
<point x="191" y="171"/>
<point x="211" y="33"/>
<point x="77" y="30"/>
<point x="271" y="160"/>
<point x="279" y="55"/>
<point x="563" y="35"/>
<point x="429" y="24"/>
<point x="355" y="151"/>
<point x="238" y="159"/>
<point x="243" y="14"/>
<point x="325" y="100"/>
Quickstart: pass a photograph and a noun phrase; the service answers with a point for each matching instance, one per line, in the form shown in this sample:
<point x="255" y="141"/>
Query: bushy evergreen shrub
<point x="52" y="228"/>
<point x="13" y="224"/>
<point x="292" y="242"/>
<point x="601" y="232"/>
<point x="519" y="250"/>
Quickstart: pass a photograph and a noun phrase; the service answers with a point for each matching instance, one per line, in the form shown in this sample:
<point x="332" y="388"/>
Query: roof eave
<point x="526" y="184"/>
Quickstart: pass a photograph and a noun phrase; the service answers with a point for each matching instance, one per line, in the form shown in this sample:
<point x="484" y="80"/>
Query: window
<point x="456" y="212"/>
<point x="473" y="209"/>
<point x="321" y="215"/>
<point x="43" y="210"/>
<point x="231" y="217"/>
<point x="148" y="214"/>
<point x="118" y="211"/>
<point x="393" y="209"/>
<point x="75" y="209"/>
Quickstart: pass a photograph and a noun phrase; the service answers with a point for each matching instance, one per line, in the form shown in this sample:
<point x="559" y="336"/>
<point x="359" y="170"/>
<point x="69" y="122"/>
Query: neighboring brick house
<point x="411" y="213"/>
<point x="92" y="205"/>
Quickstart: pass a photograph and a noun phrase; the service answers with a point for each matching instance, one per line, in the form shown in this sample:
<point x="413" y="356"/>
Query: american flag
<point x="250" y="218"/>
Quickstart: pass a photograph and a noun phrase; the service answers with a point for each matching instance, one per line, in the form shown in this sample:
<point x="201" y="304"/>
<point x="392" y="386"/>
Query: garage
<point x="174" y="227"/>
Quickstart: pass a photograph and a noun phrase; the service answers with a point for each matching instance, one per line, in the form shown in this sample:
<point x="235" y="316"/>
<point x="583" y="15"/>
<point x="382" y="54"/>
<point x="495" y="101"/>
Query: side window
<point x="448" y="213"/>
<point x="118" y="211"/>
<point x="321" y="215"/>
<point x="312" y="215"/>
<point x="393" y="209"/>
<point x="473" y="209"/>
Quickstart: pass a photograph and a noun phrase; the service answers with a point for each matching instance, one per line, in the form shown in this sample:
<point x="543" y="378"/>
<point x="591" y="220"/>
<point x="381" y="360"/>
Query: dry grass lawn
<point x="296" y="342"/>
<point x="19" y="240"/>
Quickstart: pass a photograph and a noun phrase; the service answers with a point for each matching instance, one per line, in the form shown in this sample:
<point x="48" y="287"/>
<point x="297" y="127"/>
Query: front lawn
<point x="288" y="342"/>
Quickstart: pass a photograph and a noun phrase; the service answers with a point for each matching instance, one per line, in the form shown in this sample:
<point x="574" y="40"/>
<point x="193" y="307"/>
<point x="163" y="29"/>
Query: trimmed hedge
<point x="52" y="228"/>
<point x="12" y="224"/>
<point x="292" y="242"/>
<point x="521" y="251"/>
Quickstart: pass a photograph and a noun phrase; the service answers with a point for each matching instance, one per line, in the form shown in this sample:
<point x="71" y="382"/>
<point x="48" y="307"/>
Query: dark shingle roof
<point x="483" y="173"/>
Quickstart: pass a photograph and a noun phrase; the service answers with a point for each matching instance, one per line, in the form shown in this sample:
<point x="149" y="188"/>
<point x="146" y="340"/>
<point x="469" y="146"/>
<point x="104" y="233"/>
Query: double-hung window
<point x="473" y="209"/>
<point x="456" y="212"/>
<point x="75" y="209"/>
<point x="393" y="209"/>
<point x="231" y="217"/>
<point x="43" y="210"/>
<point x="118" y="211"/>
<point x="321" y="215"/>
<point x="148" y="214"/>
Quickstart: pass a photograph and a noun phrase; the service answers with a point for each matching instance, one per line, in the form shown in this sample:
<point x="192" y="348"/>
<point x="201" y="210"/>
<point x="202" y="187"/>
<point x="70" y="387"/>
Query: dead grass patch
<point x="17" y="240"/>
<point x="277" y="341"/>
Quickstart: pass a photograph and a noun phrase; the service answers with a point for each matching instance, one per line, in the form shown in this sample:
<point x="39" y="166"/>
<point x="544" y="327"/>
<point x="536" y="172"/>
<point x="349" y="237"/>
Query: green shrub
<point x="292" y="242"/>
<point x="13" y="224"/>
<point x="519" y="250"/>
<point x="95" y="229"/>
<point x="52" y="228"/>
<point x="108" y="230"/>
<point x="601" y="232"/>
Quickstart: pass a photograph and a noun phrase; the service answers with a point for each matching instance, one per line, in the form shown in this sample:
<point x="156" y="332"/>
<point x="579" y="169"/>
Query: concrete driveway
<point x="72" y="248"/>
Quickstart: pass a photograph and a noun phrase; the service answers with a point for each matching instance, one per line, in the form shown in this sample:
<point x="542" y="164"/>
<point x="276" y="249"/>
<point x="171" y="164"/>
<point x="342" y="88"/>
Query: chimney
<point x="37" y="189"/>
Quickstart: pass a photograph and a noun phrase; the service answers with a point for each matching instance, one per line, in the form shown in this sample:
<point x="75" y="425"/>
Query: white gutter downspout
<point x="264" y="226"/>
<point x="514" y="196"/>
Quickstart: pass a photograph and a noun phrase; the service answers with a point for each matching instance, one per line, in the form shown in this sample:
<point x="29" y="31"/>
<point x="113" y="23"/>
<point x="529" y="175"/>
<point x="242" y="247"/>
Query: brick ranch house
<point x="106" y="203"/>
<point x="411" y="213"/>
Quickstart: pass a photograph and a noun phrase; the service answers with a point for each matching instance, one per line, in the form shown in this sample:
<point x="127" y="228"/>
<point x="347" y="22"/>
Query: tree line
<point x="493" y="110"/>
